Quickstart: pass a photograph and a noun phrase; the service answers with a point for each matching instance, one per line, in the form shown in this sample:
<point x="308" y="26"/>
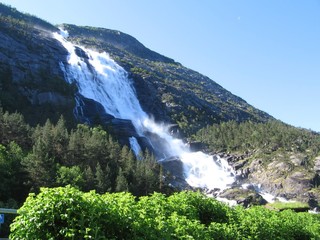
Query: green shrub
<point x="58" y="213"/>
<point x="67" y="213"/>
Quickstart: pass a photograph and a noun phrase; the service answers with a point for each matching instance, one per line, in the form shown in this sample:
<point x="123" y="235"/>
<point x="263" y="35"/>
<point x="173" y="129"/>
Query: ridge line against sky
<point x="266" y="52"/>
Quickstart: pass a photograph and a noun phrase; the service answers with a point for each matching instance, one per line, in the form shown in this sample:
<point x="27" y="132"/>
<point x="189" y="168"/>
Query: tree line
<point x="85" y="157"/>
<point x="266" y="137"/>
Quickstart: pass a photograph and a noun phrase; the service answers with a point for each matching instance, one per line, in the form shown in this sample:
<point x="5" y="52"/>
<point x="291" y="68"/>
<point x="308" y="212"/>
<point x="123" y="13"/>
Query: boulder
<point x="195" y="146"/>
<point x="317" y="164"/>
<point x="175" y="173"/>
<point x="244" y="197"/>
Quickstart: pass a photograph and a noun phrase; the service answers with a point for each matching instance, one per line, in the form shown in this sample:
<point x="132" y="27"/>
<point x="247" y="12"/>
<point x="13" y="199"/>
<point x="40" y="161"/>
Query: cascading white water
<point x="135" y="146"/>
<point x="100" y="78"/>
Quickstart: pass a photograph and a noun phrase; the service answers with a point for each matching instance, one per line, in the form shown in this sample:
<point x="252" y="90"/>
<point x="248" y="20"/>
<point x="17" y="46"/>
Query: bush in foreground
<point x="67" y="213"/>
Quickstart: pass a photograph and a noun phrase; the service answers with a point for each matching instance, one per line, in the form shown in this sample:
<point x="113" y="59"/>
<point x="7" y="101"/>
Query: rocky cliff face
<point x="31" y="79"/>
<point x="287" y="175"/>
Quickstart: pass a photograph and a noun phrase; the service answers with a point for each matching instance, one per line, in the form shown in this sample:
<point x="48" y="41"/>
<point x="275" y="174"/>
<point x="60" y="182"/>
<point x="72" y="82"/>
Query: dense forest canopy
<point x="85" y="157"/>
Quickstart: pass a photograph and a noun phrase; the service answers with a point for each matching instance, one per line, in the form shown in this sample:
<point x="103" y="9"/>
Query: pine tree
<point x="103" y="180"/>
<point x="89" y="179"/>
<point x="40" y="166"/>
<point x="60" y="140"/>
<point x="121" y="182"/>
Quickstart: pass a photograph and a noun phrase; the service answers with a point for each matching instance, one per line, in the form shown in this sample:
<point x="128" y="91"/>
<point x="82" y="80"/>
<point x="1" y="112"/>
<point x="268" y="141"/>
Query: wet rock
<point x="123" y="128"/>
<point x="195" y="146"/>
<point x="239" y="164"/>
<point x="175" y="173"/>
<point x="244" y="197"/>
<point x="91" y="112"/>
<point x="175" y="131"/>
<point x="161" y="146"/>
<point x="174" y="166"/>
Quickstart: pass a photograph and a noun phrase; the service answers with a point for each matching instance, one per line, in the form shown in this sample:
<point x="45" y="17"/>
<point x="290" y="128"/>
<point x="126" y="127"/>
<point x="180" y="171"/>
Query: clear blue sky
<point x="265" y="51"/>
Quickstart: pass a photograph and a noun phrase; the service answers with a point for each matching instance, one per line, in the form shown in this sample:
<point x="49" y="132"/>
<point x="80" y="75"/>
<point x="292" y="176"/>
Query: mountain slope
<point x="165" y="88"/>
<point x="29" y="66"/>
<point x="31" y="80"/>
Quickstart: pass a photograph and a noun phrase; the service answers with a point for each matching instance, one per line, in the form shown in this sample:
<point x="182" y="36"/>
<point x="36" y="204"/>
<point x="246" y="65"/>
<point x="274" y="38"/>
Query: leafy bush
<point x="67" y="213"/>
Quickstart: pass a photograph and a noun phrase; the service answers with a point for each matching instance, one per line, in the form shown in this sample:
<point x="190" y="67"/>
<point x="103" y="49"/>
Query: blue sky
<point x="265" y="51"/>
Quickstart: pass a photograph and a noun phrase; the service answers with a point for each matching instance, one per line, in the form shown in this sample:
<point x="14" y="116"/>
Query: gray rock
<point x="91" y="112"/>
<point x="175" y="174"/>
<point x="195" y="146"/>
<point x="52" y="97"/>
<point x="317" y="164"/>
<point x="244" y="197"/>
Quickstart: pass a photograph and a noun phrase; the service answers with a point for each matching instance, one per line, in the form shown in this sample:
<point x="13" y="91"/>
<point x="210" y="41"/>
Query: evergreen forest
<point x="67" y="180"/>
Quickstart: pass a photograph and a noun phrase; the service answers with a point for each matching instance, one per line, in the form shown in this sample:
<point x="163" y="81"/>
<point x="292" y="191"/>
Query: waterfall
<point x="100" y="78"/>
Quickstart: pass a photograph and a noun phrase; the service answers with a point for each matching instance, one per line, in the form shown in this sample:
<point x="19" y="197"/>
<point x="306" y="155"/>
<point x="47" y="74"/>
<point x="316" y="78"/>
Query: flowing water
<point x="100" y="78"/>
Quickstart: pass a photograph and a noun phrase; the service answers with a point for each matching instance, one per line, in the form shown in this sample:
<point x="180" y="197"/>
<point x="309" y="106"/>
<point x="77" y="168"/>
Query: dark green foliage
<point x="121" y="182"/>
<point x="41" y="163"/>
<point x="103" y="179"/>
<point x="14" y="129"/>
<point x="86" y="158"/>
<point x="12" y="173"/>
<point x="267" y="137"/>
<point x="67" y="213"/>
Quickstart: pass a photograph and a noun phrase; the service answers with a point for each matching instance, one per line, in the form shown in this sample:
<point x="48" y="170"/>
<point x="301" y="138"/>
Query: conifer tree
<point x="89" y="179"/>
<point x="121" y="182"/>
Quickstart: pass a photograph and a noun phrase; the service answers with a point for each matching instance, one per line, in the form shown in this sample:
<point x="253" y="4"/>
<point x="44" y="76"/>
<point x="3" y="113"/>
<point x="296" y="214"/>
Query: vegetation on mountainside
<point x="263" y="137"/>
<point x="67" y="213"/>
<point x="89" y="158"/>
<point x="283" y="158"/>
<point x="11" y="14"/>
<point x="22" y="27"/>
